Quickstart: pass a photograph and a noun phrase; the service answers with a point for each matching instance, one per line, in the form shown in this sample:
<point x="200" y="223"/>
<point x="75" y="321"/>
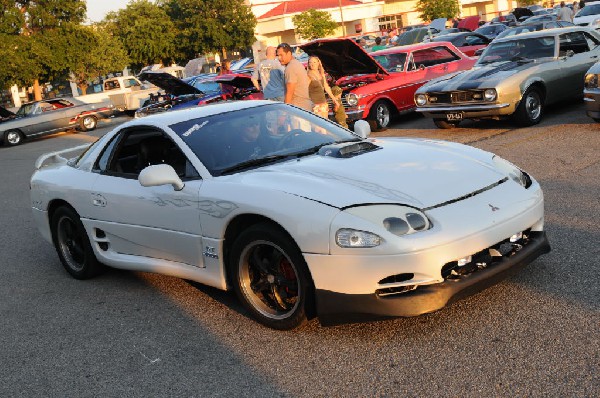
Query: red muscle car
<point x="382" y="84"/>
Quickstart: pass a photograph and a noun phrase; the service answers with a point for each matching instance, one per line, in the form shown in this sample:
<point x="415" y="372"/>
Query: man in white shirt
<point x="565" y="13"/>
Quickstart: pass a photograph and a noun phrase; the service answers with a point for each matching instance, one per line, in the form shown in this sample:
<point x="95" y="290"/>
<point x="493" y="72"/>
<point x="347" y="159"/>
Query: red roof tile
<point x="292" y="7"/>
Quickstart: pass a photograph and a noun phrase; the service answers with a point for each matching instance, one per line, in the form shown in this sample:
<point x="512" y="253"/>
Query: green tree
<point x="525" y="3"/>
<point x="432" y="9"/>
<point x="33" y="35"/>
<point x="100" y="53"/>
<point x="312" y="24"/>
<point x="211" y="25"/>
<point x="146" y="31"/>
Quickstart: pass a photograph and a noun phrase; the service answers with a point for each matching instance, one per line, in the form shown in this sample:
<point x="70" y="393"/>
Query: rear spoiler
<point x="56" y="157"/>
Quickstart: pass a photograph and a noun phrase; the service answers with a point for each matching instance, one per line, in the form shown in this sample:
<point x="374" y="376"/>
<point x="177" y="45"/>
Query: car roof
<point x="545" y="33"/>
<point x="409" y="47"/>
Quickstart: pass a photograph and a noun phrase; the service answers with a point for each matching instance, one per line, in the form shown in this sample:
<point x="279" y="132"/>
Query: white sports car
<point x="297" y="215"/>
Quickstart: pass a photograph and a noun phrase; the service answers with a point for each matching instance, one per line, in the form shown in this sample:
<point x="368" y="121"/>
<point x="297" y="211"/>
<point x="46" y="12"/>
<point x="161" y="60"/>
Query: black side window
<point x="572" y="41"/>
<point x="591" y="40"/>
<point x="133" y="150"/>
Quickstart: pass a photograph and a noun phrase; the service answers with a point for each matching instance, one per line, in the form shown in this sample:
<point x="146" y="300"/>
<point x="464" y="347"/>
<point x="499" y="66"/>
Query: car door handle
<point x="98" y="200"/>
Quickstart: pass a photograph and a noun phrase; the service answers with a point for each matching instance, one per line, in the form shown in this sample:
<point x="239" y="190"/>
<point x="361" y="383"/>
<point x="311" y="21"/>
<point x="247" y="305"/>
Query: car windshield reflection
<point x="532" y="48"/>
<point x="235" y="141"/>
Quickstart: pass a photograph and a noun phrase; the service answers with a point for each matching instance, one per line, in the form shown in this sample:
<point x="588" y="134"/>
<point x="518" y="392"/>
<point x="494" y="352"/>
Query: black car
<point x="492" y="30"/>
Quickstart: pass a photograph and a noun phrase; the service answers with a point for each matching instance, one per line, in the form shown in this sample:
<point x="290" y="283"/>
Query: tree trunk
<point x="37" y="90"/>
<point x="224" y="54"/>
<point x="83" y="87"/>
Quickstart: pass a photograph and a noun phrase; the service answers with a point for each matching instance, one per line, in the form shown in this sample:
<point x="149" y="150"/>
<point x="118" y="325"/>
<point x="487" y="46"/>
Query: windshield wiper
<point x="256" y="162"/>
<point x="518" y="58"/>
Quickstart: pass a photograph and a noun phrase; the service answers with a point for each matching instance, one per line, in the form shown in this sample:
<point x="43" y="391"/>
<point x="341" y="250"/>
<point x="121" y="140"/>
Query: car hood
<point x="418" y="173"/>
<point x="488" y="75"/>
<point x="470" y="23"/>
<point x="169" y="83"/>
<point x="342" y="57"/>
<point x="235" y="80"/>
<point x="5" y="114"/>
<point x="438" y="24"/>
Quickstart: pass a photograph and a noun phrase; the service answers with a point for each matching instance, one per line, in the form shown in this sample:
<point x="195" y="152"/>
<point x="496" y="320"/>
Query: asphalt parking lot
<point x="137" y="334"/>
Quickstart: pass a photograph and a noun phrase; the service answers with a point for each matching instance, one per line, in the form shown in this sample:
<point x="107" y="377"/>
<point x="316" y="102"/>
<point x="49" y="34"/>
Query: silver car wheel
<point x="533" y="105"/>
<point x="383" y="115"/>
<point x="13" y="137"/>
<point x="269" y="280"/>
<point x="89" y="122"/>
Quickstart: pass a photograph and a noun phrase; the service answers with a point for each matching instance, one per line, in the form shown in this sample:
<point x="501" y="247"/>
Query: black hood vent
<point x="347" y="149"/>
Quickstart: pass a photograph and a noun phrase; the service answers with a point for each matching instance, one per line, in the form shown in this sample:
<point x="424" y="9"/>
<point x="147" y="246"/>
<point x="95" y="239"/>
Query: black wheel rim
<point x="70" y="243"/>
<point x="269" y="280"/>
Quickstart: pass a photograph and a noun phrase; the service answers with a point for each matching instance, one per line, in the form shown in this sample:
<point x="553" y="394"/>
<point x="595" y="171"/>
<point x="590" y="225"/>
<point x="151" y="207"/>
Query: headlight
<point x="348" y="237"/>
<point x="396" y="219"/>
<point x="490" y="94"/>
<point x="591" y="80"/>
<point x="420" y="99"/>
<point x="352" y="99"/>
<point x="512" y="171"/>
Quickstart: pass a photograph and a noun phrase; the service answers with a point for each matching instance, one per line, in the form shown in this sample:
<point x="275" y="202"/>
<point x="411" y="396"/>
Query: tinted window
<point x="592" y="9"/>
<point x="137" y="148"/>
<point x="432" y="56"/>
<point x="473" y="40"/>
<point x="573" y="41"/>
<point x="224" y="141"/>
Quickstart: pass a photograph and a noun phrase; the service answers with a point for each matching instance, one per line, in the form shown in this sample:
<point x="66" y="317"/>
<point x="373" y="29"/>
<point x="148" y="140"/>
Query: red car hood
<point x="470" y="23"/>
<point x="343" y="57"/>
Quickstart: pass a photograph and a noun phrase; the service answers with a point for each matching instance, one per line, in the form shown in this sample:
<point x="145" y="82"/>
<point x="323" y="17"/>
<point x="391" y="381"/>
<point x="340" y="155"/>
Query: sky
<point x="97" y="9"/>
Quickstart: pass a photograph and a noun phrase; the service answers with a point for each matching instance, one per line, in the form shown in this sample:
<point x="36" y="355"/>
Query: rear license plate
<point x="454" y="116"/>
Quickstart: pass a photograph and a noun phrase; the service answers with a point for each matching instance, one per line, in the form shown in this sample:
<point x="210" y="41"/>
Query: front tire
<point x="530" y="109"/>
<point x="271" y="278"/>
<point x="88" y="123"/>
<point x="73" y="245"/>
<point x="444" y="124"/>
<point x="380" y="116"/>
<point x="13" y="137"/>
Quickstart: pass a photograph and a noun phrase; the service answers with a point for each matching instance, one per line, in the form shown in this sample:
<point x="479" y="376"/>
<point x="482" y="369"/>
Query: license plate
<point x="454" y="116"/>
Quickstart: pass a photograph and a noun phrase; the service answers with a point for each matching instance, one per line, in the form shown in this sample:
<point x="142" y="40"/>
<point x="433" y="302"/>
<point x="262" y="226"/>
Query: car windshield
<point x="207" y="86"/>
<point x="519" y="30"/>
<point x="531" y="48"/>
<point x="489" y="30"/>
<point x="26" y="110"/>
<point x="231" y="142"/>
<point x="591" y="9"/>
<point x="392" y="62"/>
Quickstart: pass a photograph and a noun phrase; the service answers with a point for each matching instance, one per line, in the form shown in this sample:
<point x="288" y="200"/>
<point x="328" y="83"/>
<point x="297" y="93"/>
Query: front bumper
<point x="335" y="308"/>
<point x="592" y="103"/>
<point x="477" y="111"/>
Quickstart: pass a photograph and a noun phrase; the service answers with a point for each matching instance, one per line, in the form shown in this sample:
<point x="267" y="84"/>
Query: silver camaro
<point x="516" y="76"/>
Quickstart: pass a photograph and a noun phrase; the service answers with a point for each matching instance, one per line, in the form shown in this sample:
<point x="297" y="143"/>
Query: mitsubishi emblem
<point x="494" y="208"/>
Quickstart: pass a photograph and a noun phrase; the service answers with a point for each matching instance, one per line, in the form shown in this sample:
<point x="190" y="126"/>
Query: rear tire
<point x="73" y="245"/>
<point x="271" y="278"/>
<point x="88" y="123"/>
<point x="444" y="124"/>
<point x="530" y="109"/>
<point x="13" y="137"/>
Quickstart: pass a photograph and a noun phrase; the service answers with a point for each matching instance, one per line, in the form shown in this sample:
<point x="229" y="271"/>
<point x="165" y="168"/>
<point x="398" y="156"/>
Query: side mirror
<point x="160" y="174"/>
<point x="362" y="128"/>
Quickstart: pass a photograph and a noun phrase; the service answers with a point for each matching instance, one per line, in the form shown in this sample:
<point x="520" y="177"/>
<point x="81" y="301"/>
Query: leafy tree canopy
<point x="313" y="24"/>
<point x="108" y="54"/>
<point x="211" y="25"/>
<point x="147" y="33"/>
<point x="34" y="38"/>
<point x="525" y="3"/>
<point x="432" y="9"/>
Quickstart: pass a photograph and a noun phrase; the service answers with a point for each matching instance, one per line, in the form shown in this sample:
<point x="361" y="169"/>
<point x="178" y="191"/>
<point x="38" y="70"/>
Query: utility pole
<point x="342" y="18"/>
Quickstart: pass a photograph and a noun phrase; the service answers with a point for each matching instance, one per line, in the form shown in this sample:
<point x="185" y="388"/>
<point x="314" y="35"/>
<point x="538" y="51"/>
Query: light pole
<point x="342" y="18"/>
